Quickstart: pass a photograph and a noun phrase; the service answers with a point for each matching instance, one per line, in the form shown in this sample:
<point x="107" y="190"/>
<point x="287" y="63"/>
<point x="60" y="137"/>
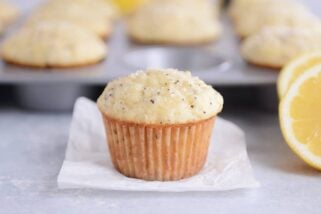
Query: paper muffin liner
<point x="158" y="152"/>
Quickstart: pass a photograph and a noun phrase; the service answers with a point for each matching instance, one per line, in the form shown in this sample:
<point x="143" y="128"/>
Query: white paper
<point x="88" y="165"/>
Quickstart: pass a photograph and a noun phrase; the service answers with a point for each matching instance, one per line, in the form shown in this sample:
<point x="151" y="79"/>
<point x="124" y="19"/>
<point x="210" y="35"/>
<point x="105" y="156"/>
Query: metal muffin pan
<point x="219" y="64"/>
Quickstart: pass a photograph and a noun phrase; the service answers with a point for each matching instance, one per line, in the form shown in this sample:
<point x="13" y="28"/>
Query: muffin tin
<point x="219" y="64"/>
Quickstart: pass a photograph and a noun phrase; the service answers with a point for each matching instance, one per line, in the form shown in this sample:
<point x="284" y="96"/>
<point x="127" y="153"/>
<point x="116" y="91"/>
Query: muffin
<point x="105" y="9"/>
<point x="249" y="16"/>
<point x="214" y="5"/>
<point x="175" y="22"/>
<point x="8" y="12"/>
<point x="237" y="8"/>
<point x="159" y="123"/>
<point x="275" y="16"/>
<point x="275" y="46"/>
<point x="79" y="14"/>
<point x="53" y="44"/>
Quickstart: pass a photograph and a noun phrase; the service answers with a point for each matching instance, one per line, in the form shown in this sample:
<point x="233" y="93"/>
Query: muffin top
<point x="292" y="15"/>
<point x="236" y="7"/>
<point x="243" y="8"/>
<point x="160" y="96"/>
<point x="53" y="44"/>
<point x="79" y="14"/>
<point x="275" y="46"/>
<point x="175" y="21"/>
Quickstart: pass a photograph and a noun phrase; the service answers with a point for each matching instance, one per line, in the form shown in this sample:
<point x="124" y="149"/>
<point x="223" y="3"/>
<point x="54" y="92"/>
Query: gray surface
<point x="32" y="149"/>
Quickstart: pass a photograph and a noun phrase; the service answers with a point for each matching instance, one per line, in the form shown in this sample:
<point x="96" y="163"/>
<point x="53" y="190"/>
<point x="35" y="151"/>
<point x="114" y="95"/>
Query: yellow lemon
<point x="300" y="116"/>
<point x="294" y="69"/>
<point x="129" y="6"/>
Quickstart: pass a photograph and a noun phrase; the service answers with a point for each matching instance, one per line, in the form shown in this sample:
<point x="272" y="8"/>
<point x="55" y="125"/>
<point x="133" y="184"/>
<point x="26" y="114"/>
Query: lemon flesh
<point x="300" y="116"/>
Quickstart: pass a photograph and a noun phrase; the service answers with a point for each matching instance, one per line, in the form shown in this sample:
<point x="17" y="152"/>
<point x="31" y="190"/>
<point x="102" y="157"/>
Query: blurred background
<point x="26" y="5"/>
<point x="250" y="94"/>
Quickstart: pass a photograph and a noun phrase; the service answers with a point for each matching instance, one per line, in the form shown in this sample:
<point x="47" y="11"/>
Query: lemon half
<point x="300" y="116"/>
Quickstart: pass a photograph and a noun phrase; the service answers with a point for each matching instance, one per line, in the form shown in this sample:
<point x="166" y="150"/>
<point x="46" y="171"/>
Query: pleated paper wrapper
<point x="158" y="152"/>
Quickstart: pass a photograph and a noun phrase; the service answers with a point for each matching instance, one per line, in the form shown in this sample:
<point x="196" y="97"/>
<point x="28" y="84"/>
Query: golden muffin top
<point x="275" y="46"/>
<point x="53" y="44"/>
<point x="175" y="21"/>
<point x="160" y="96"/>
